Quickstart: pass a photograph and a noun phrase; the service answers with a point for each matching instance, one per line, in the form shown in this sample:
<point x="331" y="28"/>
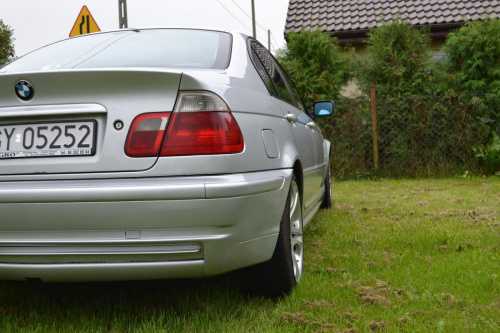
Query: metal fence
<point x="419" y="136"/>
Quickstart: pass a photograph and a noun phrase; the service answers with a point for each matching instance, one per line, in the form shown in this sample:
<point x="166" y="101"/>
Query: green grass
<point x="391" y="256"/>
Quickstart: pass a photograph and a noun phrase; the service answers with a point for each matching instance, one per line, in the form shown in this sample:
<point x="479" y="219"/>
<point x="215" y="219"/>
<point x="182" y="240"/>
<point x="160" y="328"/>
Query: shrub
<point x="397" y="61"/>
<point x="473" y="54"/>
<point x="316" y="64"/>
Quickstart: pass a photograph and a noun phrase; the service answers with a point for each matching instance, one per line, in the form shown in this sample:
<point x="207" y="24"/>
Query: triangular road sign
<point x="84" y="24"/>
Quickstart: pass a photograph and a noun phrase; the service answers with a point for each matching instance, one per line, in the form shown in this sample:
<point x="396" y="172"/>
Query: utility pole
<point x="122" y="19"/>
<point x="269" y="40"/>
<point x="253" y="20"/>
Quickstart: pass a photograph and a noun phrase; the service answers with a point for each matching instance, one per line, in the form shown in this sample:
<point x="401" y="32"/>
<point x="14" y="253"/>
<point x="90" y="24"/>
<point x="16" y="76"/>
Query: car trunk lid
<point x="104" y="100"/>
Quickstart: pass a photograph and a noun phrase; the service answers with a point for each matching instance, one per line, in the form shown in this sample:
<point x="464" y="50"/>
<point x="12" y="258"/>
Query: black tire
<point x="278" y="276"/>
<point x="327" y="197"/>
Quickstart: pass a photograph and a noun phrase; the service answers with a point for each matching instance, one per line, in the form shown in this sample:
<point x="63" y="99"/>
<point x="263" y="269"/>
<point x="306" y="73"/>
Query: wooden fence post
<point x="374" y="128"/>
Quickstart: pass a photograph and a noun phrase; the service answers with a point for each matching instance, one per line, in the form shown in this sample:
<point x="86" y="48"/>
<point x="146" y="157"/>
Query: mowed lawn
<point x="390" y="256"/>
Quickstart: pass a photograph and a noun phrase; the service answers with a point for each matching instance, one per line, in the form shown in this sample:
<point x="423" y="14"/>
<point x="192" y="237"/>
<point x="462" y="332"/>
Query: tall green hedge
<point x="316" y="63"/>
<point x="473" y="57"/>
<point x="397" y="61"/>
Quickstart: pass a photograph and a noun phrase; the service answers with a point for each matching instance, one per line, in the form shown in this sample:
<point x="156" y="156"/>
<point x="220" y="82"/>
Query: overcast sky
<point x="40" y="22"/>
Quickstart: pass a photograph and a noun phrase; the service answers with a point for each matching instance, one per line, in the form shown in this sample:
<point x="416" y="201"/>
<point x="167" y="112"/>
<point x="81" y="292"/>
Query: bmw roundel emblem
<point x="24" y="90"/>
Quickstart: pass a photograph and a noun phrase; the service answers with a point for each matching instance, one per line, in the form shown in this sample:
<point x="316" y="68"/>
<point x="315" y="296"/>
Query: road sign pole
<point x="269" y="40"/>
<point x="122" y="8"/>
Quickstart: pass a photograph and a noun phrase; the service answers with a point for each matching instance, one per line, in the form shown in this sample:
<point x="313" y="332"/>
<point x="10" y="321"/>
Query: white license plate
<point x="45" y="139"/>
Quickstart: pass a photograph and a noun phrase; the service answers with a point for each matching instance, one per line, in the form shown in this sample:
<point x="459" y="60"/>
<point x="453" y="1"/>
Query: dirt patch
<point x="448" y="298"/>
<point x="474" y="214"/>
<point x="365" y="289"/>
<point x="376" y="299"/>
<point x="298" y="319"/>
<point x="351" y="316"/>
<point x="336" y="270"/>
<point x="375" y="295"/>
<point x="389" y="256"/>
<point x="349" y="330"/>
<point x="377" y="325"/>
<point x="345" y="207"/>
<point x="320" y="303"/>
<point x="422" y="203"/>
<point x="447" y="213"/>
<point x="379" y="283"/>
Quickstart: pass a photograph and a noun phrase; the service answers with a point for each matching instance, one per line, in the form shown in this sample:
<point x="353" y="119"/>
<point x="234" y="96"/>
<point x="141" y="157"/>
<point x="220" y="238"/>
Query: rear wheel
<point x="278" y="276"/>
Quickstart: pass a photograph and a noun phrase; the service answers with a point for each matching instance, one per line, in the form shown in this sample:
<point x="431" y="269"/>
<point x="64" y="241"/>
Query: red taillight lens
<point x="201" y="124"/>
<point x="146" y="134"/>
<point x="202" y="132"/>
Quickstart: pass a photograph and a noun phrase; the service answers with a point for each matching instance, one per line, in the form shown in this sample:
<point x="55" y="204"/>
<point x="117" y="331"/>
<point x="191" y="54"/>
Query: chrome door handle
<point x="312" y="125"/>
<point x="292" y="118"/>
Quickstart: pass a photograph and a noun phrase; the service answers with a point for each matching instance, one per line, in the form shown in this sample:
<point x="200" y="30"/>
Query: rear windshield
<point x="138" y="48"/>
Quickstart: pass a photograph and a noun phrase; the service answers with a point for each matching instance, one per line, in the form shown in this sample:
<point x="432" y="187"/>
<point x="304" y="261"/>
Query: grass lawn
<point x="390" y="256"/>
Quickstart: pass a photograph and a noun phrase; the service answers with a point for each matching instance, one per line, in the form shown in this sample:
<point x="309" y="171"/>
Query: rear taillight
<point x="201" y="133"/>
<point x="201" y="124"/>
<point x="146" y="134"/>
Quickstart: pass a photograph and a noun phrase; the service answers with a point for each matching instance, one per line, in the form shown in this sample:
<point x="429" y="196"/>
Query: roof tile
<point x="341" y="15"/>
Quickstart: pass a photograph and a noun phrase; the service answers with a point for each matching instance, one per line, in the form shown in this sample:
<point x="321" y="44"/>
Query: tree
<point x="473" y="54"/>
<point x="316" y="64"/>
<point x="6" y="43"/>
<point x="397" y="61"/>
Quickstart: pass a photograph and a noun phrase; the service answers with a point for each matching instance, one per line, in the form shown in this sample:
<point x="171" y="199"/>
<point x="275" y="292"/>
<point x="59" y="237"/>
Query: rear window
<point x="175" y="48"/>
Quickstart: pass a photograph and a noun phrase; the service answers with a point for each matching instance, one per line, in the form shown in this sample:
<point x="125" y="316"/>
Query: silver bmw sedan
<point x="157" y="153"/>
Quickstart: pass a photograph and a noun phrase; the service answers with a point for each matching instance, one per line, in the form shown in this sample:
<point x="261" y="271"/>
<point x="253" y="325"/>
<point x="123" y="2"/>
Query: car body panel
<point x="103" y="221"/>
<point x="123" y="93"/>
<point x="113" y="217"/>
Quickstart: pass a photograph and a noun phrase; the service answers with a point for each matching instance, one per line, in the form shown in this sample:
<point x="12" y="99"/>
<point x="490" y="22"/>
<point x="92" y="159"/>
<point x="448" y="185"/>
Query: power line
<point x="241" y="9"/>
<point x="243" y="24"/>
<point x="250" y="17"/>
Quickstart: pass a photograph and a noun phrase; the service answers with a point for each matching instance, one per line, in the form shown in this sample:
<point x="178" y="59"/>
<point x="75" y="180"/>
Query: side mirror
<point x="323" y="109"/>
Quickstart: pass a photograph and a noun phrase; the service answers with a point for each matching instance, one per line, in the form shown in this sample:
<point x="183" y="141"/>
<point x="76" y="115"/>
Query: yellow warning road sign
<point x="84" y="24"/>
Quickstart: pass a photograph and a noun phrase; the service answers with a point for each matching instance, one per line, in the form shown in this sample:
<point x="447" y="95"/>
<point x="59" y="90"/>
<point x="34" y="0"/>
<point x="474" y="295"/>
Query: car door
<point x="320" y="161"/>
<point x="319" y="149"/>
<point x="298" y="119"/>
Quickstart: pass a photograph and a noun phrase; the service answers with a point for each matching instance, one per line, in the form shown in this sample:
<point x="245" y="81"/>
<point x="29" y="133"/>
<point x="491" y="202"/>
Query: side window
<point x="295" y="93"/>
<point x="259" y="66"/>
<point x="273" y="72"/>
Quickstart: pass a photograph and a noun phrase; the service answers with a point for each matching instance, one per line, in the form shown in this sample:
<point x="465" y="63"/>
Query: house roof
<point x="352" y="19"/>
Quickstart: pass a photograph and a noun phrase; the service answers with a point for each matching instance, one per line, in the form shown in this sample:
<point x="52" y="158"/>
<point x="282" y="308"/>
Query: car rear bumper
<point x="146" y="228"/>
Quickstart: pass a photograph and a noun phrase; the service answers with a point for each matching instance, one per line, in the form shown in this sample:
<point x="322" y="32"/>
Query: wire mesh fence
<point x="416" y="136"/>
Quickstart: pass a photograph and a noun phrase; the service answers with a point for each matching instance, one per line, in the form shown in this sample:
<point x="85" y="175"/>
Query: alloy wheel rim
<point x="296" y="233"/>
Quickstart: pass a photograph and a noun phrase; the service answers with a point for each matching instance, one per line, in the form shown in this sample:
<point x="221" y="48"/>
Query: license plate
<point x="46" y="139"/>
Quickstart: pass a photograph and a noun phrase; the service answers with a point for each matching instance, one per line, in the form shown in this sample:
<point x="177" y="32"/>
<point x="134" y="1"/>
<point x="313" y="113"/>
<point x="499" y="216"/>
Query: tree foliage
<point x="6" y="43"/>
<point x="473" y="57"/>
<point x="397" y="61"/>
<point x="316" y="64"/>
